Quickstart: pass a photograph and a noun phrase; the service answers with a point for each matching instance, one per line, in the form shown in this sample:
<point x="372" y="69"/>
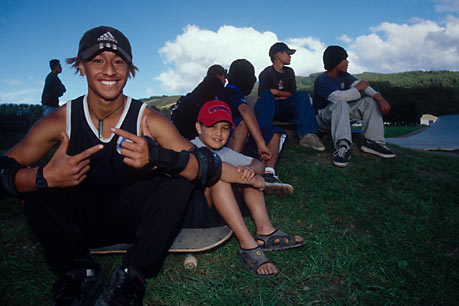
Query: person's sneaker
<point x="372" y="147"/>
<point x="312" y="141"/>
<point x="275" y="186"/>
<point x="78" y="287"/>
<point x="341" y="156"/>
<point x="127" y="288"/>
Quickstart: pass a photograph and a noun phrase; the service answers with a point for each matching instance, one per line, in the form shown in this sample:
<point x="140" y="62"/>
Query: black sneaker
<point x="78" y="287"/>
<point x="372" y="147"/>
<point x="341" y="156"/>
<point x="275" y="186"/>
<point x="127" y="288"/>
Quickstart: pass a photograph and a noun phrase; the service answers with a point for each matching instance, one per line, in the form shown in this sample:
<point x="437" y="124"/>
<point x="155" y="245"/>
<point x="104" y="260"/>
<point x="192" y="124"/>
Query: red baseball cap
<point x="215" y="111"/>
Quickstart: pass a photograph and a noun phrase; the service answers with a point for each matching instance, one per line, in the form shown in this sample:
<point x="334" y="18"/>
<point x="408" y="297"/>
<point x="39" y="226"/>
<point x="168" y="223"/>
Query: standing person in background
<point x="53" y="88"/>
<point x="279" y="100"/>
<point x="340" y="98"/>
<point x="185" y="112"/>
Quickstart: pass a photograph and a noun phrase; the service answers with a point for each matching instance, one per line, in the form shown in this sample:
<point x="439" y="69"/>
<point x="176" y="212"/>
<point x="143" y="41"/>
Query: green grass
<point x="377" y="232"/>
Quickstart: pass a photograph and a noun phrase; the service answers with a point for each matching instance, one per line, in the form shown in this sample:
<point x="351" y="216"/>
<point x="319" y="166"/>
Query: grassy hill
<point x="379" y="232"/>
<point x="412" y="79"/>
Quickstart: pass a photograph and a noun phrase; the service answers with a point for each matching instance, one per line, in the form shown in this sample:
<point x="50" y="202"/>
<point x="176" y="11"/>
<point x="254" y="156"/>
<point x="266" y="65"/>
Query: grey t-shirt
<point x="227" y="155"/>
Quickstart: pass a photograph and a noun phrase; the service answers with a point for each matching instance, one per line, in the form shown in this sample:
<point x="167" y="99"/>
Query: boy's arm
<point x="280" y="94"/>
<point x="384" y="106"/>
<point x="252" y="124"/>
<point x="230" y="174"/>
<point x="169" y="150"/>
<point x="257" y="166"/>
<point x="62" y="170"/>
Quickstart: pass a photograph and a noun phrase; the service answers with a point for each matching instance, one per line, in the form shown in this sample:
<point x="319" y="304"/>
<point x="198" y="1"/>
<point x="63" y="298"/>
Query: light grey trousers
<point x="337" y="117"/>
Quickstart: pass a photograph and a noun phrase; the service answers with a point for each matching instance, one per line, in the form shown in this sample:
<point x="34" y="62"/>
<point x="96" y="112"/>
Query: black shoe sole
<point x="371" y="151"/>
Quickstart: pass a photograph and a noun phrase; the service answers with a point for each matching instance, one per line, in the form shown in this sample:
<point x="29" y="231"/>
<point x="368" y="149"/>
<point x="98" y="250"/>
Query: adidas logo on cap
<point x="107" y="37"/>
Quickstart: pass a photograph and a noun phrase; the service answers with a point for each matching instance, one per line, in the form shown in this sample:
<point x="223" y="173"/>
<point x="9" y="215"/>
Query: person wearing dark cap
<point x="248" y="137"/>
<point x="340" y="98"/>
<point x="53" y="88"/>
<point x="185" y="112"/>
<point x="278" y="98"/>
<point x="108" y="181"/>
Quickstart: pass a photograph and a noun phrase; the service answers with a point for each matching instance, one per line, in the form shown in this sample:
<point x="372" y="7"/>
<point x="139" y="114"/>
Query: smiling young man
<point x="340" y="98"/>
<point x="121" y="174"/>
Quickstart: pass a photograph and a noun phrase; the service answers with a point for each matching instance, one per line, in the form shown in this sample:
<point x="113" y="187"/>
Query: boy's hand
<point x="246" y="173"/>
<point x="384" y="106"/>
<point x="64" y="170"/>
<point x="134" y="149"/>
<point x="263" y="152"/>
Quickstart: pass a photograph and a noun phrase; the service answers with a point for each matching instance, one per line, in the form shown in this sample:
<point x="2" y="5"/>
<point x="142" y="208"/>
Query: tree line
<point x="411" y="94"/>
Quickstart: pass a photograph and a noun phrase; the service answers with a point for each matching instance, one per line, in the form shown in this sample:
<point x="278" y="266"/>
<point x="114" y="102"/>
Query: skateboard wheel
<point x="190" y="262"/>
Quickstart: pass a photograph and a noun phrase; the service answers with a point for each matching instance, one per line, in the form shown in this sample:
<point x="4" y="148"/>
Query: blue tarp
<point x="443" y="135"/>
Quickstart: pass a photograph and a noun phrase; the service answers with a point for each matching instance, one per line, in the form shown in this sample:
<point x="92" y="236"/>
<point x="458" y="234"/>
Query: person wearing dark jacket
<point x="53" y="88"/>
<point x="185" y="112"/>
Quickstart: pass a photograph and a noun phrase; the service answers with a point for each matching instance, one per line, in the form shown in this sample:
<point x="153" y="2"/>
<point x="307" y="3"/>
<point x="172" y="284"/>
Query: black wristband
<point x="40" y="179"/>
<point x="8" y="169"/>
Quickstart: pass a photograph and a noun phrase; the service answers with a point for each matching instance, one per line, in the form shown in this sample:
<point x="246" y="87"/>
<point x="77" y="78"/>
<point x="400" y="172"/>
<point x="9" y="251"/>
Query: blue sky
<point x="174" y="42"/>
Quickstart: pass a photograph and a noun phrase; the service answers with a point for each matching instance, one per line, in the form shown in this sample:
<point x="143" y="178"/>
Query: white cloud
<point x="344" y="38"/>
<point x="12" y="82"/>
<point x="192" y="52"/>
<point x="389" y="47"/>
<point x="28" y="96"/>
<point x="422" y="45"/>
<point x="447" y="6"/>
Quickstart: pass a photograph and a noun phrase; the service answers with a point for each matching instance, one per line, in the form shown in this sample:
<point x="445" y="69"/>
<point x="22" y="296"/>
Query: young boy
<point x="214" y="126"/>
<point x="278" y="98"/>
<point x="340" y="98"/>
<point x="266" y="142"/>
<point x="106" y="181"/>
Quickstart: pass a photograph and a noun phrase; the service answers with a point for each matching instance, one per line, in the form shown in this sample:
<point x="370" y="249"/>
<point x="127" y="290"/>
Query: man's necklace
<point x="101" y="120"/>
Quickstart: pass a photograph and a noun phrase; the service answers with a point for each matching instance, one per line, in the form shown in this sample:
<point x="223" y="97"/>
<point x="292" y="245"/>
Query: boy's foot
<point x="78" y="287"/>
<point x="341" y="156"/>
<point x="278" y="240"/>
<point x="372" y="147"/>
<point x="275" y="186"/>
<point x="256" y="262"/>
<point x="127" y="287"/>
<point x="312" y="141"/>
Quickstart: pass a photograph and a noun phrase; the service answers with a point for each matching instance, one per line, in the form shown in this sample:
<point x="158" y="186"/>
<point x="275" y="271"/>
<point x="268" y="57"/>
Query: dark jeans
<point x="296" y="109"/>
<point x="148" y="214"/>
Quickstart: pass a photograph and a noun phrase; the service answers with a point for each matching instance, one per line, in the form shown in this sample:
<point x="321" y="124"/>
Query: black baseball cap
<point x="280" y="47"/>
<point x="103" y="38"/>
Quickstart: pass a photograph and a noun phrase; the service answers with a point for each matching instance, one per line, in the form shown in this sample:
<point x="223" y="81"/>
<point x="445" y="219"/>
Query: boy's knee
<point x="341" y="105"/>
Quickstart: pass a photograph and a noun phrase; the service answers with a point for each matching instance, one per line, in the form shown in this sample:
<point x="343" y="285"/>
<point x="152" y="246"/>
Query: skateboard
<point x="188" y="240"/>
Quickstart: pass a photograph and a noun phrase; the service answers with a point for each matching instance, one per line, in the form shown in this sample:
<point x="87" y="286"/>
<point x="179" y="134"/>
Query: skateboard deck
<point x="188" y="240"/>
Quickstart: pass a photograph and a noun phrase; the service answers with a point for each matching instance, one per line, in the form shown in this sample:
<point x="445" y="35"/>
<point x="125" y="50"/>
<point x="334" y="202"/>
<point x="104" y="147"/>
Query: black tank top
<point x="107" y="168"/>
